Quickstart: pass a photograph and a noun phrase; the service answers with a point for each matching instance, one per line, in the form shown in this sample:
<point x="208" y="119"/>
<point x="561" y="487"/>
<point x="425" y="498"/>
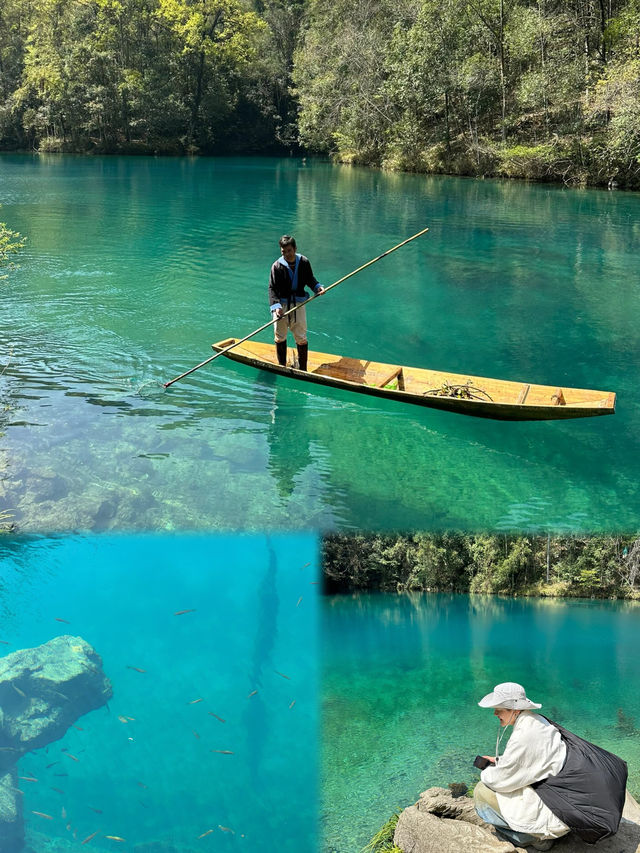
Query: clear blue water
<point x="135" y="265"/>
<point x="402" y="675"/>
<point x="155" y="780"/>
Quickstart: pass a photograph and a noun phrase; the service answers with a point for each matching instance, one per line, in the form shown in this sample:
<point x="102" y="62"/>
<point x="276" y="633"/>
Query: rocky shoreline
<point x="441" y="822"/>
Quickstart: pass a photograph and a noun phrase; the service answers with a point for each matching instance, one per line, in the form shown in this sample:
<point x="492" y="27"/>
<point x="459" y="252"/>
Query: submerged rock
<point x="43" y="691"/>
<point x="11" y="825"/>
<point x="442" y="823"/>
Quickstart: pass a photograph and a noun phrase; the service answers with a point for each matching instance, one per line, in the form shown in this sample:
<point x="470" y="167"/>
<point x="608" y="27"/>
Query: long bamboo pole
<point x="291" y="310"/>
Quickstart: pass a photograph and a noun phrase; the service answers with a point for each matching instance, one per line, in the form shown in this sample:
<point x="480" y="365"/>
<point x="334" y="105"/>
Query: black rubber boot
<point x="303" y="352"/>
<point x="281" y="352"/>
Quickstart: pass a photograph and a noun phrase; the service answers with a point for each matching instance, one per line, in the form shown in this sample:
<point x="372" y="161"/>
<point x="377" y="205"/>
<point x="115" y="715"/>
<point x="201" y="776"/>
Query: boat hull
<point x="491" y="398"/>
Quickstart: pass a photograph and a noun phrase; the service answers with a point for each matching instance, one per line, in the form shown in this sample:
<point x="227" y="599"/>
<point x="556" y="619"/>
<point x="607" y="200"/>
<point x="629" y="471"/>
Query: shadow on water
<point x="256" y="716"/>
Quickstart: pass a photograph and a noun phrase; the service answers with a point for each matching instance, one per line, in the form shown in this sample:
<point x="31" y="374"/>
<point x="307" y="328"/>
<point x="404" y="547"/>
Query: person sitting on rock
<point x="548" y="781"/>
<point x="504" y="796"/>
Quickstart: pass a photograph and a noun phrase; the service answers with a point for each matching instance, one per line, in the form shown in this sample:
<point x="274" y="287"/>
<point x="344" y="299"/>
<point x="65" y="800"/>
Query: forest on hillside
<point x="545" y="89"/>
<point x="542" y="565"/>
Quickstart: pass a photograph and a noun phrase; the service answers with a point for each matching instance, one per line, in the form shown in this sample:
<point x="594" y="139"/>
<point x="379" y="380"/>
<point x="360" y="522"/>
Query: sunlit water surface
<point x="402" y="676"/>
<point x="150" y="766"/>
<point x="134" y="266"/>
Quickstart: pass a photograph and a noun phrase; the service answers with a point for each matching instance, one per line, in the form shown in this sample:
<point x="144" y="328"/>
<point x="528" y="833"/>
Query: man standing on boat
<point x="289" y="277"/>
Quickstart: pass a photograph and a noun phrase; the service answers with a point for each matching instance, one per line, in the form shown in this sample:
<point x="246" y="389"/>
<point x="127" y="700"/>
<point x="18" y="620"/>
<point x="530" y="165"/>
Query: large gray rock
<point x="442" y="823"/>
<point x="43" y="691"/>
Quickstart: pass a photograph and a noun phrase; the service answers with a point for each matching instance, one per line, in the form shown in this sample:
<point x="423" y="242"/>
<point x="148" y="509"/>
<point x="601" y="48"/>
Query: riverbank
<point x="571" y="161"/>
<point x="533" y="566"/>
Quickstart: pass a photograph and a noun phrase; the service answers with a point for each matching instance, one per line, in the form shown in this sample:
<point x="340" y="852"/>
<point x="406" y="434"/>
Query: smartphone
<point x="481" y="762"/>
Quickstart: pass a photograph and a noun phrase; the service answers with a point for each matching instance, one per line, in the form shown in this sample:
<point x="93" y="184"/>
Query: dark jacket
<point x="588" y="794"/>
<point x="281" y="284"/>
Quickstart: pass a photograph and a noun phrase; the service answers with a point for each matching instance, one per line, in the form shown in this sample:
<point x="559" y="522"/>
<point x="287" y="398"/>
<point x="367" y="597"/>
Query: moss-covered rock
<point x="43" y="691"/>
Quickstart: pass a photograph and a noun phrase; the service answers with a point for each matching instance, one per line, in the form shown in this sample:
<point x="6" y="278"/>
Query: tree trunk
<point x="195" y="112"/>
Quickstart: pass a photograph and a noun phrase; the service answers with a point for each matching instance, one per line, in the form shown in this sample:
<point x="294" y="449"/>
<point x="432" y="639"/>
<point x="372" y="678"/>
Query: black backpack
<point x="588" y="794"/>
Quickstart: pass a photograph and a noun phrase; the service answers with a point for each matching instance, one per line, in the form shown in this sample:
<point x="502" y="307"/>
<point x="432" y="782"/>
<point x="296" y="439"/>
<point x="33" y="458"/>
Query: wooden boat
<point x="437" y="389"/>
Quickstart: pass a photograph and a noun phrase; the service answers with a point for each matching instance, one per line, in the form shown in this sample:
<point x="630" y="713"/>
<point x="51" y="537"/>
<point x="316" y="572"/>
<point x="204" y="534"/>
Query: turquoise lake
<point x="237" y="674"/>
<point x="402" y="676"/>
<point x="134" y="266"/>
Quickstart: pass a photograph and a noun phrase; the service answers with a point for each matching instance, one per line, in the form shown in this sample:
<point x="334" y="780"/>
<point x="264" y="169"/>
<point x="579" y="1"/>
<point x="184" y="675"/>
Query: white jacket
<point x="535" y="750"/>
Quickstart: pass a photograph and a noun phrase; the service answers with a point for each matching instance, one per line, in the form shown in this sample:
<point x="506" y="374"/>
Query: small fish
<point x="299" y="600"/>
<point x="18" y="791"/>
<point x="60" y="774"/>
<point x="19" y="692"/>
<point x="53" y="763"/>
<point x="282" y="674"/>
<point x="72" y="757"/>
<point x="217" y="717"/>
<point x="142" y="785"/>
<point x="42" y="814"/>
<point x="66" y="698"/>
<point x="66" y="622"/>
<point x="63" y="813"/>
<point x="89" y="837"/>
<point x="313" y="583"/>
<point x="182" y="612"/>
<point x="5" y="642"/>
<point x="68" y="827"/>
<point x="225" y="829"/>
<point x="223" y="751"/>
<point x="58" y="790"/>
<point x="77" y="727"/>
<point x="292" y="704"/>
<point x="253" y="693"/>
<point x="136" y="668"/>
<point x="122" y="719"/>
<point x="194" y="701"/>
<point x="305" y="566"/>
<point x="97" y="811"/>
<point x="115" y="838"/>
<point x="28" y="778"/>
<point x="195" y="734"/>
<point x="205" y="833"/>
<point x="131" y="719"/>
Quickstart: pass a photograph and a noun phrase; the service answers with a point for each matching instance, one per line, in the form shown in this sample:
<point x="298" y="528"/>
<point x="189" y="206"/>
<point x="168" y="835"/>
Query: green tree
<point x="214" y="40"/>
<point x="339" y="74"/>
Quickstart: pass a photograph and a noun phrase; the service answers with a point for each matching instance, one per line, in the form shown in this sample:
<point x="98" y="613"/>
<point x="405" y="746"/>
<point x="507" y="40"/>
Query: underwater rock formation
<point x="442" y="823"/>
<point x="11" y="826"/>
<point x="43" y="691"/>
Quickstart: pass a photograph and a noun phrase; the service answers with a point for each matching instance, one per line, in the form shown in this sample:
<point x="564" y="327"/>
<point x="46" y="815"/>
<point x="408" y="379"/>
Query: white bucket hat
<point x="510" y="696"/>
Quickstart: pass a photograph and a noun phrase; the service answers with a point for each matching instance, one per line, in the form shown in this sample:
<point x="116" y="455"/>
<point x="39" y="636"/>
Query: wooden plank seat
<point x="522" y="396"/>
